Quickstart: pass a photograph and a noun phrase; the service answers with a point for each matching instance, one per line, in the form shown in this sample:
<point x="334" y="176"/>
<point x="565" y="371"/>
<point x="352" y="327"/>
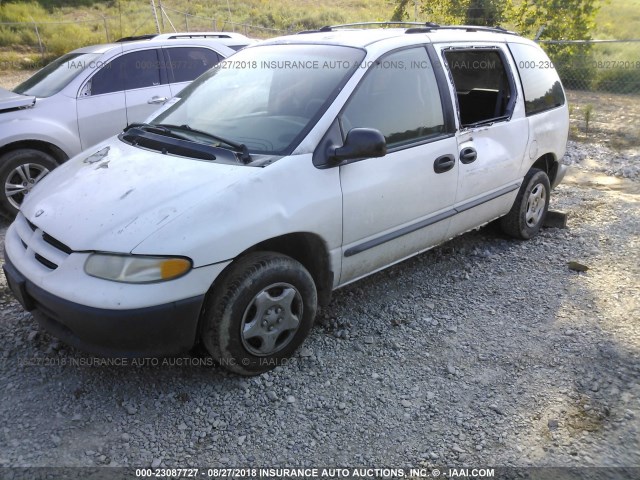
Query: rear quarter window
<point x="540" y="82"/>
<point x="188" y="63"/>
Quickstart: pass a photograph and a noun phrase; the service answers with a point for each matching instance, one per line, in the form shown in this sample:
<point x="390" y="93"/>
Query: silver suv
<point x="92" y="93"/>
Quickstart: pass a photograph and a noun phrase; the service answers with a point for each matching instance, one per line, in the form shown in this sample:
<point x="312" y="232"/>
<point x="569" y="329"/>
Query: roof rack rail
<point x="135" y="38"/>
<point x="174" y="36"/>
<point x="329" y="28"/>
<point x="414" y="27"/>
<point x="472" y="28"/>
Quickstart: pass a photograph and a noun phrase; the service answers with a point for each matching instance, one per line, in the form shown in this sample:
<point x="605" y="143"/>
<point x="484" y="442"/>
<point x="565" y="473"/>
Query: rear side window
<point x="188" y="63"/>
<point x="483" y="87"/>
<point x="399" y="96"/>
<point x="540" y="81"/>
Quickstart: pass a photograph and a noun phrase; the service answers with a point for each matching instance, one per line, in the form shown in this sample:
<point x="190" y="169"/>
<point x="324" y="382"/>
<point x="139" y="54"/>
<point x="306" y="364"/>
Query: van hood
<point x="113" y="196"/>
<point x="10" y="100"/>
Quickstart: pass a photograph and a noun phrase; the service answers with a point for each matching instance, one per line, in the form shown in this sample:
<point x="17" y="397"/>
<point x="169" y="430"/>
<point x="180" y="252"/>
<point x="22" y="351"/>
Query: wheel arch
<point x="549" y="164"/>
<point x="307" y="248"/>
<point x="311" y="251"/>
<point x="56" y="152"/>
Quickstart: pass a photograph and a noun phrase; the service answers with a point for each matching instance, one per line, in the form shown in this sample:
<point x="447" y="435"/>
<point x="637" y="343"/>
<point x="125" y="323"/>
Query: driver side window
<point x="398" y="96"/>
<point x="127" y="72"/>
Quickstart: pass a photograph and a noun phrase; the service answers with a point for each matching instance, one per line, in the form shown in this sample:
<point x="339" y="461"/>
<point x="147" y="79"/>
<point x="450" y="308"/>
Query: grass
<point x="618" y="19"/>
<point x="65" y="25"/>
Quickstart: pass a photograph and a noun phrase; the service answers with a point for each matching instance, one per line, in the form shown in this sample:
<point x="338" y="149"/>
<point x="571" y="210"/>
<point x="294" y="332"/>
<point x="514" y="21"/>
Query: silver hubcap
<point x="535" y="205"/>
<point x="21" y="180"/>
<point x="271" y="320"/>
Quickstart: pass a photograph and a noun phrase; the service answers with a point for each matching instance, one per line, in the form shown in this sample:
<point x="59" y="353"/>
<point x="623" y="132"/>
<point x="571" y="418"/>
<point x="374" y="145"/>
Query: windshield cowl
<point x="161" y="139"/>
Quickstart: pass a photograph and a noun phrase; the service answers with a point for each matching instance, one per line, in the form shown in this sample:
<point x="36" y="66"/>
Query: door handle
<point x="468" y="155"/>
<point x="444" y="163"/>
<point x="157" y="100"/>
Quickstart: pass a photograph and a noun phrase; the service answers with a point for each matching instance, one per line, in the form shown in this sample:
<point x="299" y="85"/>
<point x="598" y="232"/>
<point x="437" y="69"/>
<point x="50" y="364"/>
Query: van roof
<point x="361" y="35"/>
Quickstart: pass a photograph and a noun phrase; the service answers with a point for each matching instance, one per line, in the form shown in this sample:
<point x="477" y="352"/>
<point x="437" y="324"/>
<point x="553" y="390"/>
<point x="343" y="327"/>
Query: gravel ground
<point x="483" y="352"/>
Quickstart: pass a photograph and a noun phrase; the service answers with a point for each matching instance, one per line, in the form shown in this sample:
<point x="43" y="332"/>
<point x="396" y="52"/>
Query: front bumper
<point x="159" y="330"/>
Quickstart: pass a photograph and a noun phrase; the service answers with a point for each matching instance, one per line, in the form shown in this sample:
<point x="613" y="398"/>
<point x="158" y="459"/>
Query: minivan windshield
<point x="265" y="97"/>
<point x="57" y="75"/>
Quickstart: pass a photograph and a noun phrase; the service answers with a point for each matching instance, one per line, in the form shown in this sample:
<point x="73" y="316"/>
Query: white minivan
<point x="293" y="168"/>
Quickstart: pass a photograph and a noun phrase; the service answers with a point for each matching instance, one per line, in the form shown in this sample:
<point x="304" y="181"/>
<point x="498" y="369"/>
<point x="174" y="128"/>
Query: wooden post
<point x="35" y="26"/>
<point x="106" y="29"/>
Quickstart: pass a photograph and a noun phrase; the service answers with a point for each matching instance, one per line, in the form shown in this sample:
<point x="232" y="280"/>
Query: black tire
<point x="528" y="212"/>
<point x="237" y="328"/>
<point x="20" y="170"/>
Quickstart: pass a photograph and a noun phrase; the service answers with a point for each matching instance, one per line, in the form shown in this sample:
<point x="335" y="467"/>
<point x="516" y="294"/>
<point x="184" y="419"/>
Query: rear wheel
<point x="259" y="314"/>
<point x="20" y="171"/>
<point x="529" y="210"/>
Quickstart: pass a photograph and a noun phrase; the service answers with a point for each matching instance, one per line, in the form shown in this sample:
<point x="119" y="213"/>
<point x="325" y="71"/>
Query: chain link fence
<point x="31" y="45"/>
<point x="175" y="20"/>
<point x="597" y="65"/>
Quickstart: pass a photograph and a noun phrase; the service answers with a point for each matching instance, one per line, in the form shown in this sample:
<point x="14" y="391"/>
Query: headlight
<point x="136" y="268"/>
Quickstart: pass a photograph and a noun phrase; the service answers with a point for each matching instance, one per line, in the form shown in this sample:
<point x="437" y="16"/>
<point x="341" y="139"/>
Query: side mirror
<point x="360" y="143"/>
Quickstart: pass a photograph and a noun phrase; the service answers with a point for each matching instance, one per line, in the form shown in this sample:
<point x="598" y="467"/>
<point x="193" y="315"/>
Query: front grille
<point x="47" y="250"/>
<point x="56" y="243"/>
<point x="31" y="225"/>
<point x="47" y="263"/>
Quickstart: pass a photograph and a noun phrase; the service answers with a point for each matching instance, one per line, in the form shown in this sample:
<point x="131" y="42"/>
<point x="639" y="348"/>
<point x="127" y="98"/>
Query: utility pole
<point x="155" y="15"/>
<point x="161" y="16"/>
<point x="120" y="13"/>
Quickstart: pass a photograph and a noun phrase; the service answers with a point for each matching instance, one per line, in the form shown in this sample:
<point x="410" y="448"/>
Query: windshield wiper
<point x="155" y="129"/>
<point x="240" y="148"/>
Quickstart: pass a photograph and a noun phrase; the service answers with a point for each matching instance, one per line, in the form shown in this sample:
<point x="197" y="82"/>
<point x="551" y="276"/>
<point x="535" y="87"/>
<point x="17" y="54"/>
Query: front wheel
<point x="528" y="212"/>
<point x="20" y="171"/>
<point x="259" y="314"/>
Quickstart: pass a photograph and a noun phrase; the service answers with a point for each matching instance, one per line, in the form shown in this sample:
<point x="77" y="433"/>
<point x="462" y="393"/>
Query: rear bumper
<point x="159" y="330"/>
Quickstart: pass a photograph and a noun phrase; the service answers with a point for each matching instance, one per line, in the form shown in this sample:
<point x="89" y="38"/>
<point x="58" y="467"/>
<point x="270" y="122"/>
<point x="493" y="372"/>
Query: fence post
<point x="215" y="25"/>
<point x="186" y="21"/>
<point x="35" y="26"/>
<point x="106" y="29"/>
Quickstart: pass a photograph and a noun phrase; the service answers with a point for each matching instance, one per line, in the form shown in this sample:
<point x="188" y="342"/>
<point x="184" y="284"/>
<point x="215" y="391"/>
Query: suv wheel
<point x="527" y="215"/>
<point x="20" y="170"/>
<point x="260" y="313"/>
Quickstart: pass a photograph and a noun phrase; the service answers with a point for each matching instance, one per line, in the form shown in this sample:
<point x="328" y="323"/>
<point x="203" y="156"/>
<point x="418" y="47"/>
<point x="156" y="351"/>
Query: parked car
<point x="298" y="166"/>
<point x="92" y="93"/>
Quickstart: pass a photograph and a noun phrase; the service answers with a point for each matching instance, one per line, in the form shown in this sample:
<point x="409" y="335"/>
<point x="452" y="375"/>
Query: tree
<point x="466" y="12"/>
<point x="560" y="19"/>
